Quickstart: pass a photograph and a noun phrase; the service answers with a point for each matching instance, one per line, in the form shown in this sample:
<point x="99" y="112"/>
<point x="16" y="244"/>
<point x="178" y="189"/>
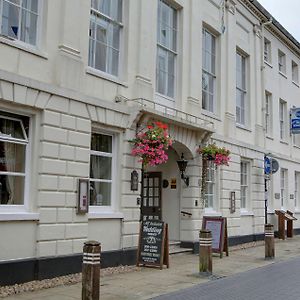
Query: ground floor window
<point x="210" y="185"/>
<point x="101" y="169"/>
<point x="13" y="150"/>
<point x="245" y="169"/>
<point x="283" y="181"/>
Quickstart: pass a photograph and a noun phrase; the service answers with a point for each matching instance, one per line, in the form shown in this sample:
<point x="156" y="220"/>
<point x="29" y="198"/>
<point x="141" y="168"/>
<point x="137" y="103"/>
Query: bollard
<point x="269" y="241"/>
<point x="205" y="252"/>
<point x="91" y="270"/>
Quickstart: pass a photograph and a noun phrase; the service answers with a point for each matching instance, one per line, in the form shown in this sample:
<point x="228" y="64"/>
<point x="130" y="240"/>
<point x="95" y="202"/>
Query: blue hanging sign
<point x="267" y="165"/>
<point x="295" y="120"/>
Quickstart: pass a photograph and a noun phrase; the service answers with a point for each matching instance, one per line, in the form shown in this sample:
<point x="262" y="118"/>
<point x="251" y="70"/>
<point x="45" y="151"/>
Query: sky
<point x="286" y="12"/>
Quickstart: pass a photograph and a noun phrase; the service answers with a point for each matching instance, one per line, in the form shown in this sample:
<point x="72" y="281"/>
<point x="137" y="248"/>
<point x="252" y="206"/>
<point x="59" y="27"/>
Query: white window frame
<point x="295" y="72"/>
<point x="18" y="208"/>
<point x="211" y="172"/>
<point x="283" y="187"/>
<point x="297" y="194"/>
<point x="245" y="168"/>
<point x="268" y="113"/>
<point x="282" y="120"/>
<point x="281" y="62"/>
<point x="210" y="73"/>
<point x="243" y="108"/>
<point x="97" y="14"/>
<point x="17" y="40"/>
<point x="267" y="51"/>
<point x="168" y="51"/>
<point x="112" y="207"/>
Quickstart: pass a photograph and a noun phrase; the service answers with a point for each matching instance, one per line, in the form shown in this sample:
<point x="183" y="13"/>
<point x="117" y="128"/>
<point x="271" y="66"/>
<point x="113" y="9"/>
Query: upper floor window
<point x="19" y="20"/>
<point x="267" y="50"/>
<point x="208" y="70"/>
<point x="245" y="167"/>
<point x="268" y="114"/>
<point x="241" y="89"/>
<point x="104" y="35"/>
<point x="282" y="119"/>
<point x="281" y="62"/>
<point x="166" y="49"/>
<point x="13" y="149"/>
<point x="295" y="72"/>
<point x="283" y="186"/>
<point x="297" y="185"/>
<point x="101" y="170"/>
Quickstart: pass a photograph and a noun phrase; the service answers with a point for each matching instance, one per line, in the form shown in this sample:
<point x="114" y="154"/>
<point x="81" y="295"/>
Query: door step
<point x="174" y="248"/>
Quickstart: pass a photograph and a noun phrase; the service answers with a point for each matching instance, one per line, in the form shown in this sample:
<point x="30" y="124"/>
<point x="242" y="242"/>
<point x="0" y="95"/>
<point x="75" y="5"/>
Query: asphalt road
<point x="277" y="281"/>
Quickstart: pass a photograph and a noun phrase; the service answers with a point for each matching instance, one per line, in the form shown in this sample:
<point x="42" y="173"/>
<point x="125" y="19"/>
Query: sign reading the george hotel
<point x="152" y="242"/>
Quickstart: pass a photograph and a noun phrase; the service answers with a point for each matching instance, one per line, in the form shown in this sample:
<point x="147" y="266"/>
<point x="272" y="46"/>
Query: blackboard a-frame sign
<point x="153" y="248"/>
<point x="218" y="228"/>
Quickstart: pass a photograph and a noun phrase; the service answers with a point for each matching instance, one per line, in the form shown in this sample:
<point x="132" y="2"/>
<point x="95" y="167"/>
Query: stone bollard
<point x="205" y="252"/>
<point x="91" y="270"/>
<point x="269" y="241"/>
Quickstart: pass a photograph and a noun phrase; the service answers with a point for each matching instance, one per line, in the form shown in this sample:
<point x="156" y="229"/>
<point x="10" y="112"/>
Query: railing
<point x="173" y="112"/>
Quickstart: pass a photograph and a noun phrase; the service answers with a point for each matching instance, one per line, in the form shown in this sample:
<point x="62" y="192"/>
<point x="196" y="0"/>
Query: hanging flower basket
<point x="151" y="144"/>
<point x="220" y="156"/>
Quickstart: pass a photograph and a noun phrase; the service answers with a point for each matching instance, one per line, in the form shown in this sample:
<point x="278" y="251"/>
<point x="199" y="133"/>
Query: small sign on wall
<point x="232" y="202"/>
<point x="277" y="195"/>
<point x="173" y="183"/>
<point x="83" y="196"/>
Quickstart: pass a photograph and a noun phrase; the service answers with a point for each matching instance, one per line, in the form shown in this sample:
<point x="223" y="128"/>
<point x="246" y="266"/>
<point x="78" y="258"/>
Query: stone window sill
<point x="19" y="216"/>
<point x="105" y="215"/>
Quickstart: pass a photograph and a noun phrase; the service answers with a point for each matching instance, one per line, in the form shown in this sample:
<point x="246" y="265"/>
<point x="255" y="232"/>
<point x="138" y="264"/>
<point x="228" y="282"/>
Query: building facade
<point x="79" y="79"/>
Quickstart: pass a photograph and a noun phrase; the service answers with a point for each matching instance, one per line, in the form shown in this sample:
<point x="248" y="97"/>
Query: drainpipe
<point x="264" y="104"/>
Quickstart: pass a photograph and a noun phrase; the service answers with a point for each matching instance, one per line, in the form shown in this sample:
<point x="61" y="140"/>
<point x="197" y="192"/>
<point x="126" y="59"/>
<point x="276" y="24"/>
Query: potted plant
<point x="151" y="144"/>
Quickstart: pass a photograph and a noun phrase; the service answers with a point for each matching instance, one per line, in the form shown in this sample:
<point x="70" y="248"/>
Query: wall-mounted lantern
<point x="134" y="181"/>
<point x="182" y="164"/>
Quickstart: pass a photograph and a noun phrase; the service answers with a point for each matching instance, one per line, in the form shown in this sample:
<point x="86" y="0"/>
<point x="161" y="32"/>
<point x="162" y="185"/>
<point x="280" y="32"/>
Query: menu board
<point x="218" y="228"/>
<point x="152" y="243"/>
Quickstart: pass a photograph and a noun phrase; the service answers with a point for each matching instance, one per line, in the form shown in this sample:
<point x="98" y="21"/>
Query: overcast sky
<point x="286" y="12"/>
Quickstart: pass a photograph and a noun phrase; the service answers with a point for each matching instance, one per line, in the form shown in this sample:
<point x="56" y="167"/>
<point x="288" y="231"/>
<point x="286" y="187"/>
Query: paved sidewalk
<point x="183" y="273"/>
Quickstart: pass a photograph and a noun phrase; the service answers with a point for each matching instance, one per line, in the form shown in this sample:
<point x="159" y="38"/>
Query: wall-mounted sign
<point x="277" y="195"/>
<point x="267" y="165"/>
<point x="232" y="202"/>
<point x="173" y="183"/>
<point x="165" y="183"/>
<point x="295" y="120"/>
<point x="83" y="196"/>
<point x="134" y="181"/>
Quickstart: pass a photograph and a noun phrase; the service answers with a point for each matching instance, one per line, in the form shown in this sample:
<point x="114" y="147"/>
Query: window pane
<point x="100" y="57"/>
<point x="12" y="157"/>
<point x="31" y="5"/>
<point x="10" y="20"/>
<point x="101" y="143"/>
<point x="11" y="190"/>
<point x="100" y="167"/>
<point x="11" y="129"/>
<point x="28" y="27"/>
<point x="100" y="193"/>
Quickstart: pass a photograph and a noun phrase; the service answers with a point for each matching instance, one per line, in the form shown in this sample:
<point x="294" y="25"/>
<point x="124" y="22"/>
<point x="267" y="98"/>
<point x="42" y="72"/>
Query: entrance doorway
<point x="151" y="196"/>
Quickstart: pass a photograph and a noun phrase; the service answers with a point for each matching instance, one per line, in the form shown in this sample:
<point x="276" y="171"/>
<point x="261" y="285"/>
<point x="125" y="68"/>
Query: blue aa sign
<point x="295" y="120"/>
<point x="267" y="165"/>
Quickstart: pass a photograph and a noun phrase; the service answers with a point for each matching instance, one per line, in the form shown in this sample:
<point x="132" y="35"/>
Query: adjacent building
<point x="79" y="79"/>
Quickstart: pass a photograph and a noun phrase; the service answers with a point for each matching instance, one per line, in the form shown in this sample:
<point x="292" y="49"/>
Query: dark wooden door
<point x="151" y="196"/>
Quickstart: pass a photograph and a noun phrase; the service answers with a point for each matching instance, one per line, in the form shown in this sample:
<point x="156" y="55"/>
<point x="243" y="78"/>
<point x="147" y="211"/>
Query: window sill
<point x="296" y="83"/>
<point x="284" y="142"/>
<point x="245" y="213"/>
<point x="105" y="215"/>
<point x="161" y="96"/>
<point x="210" y="115"/>
<point x="270" y="137"/>
<point x="296" y="146"/>
<point x="105" y="76"/>
<point x="209" y="212"/>
<point x="240" y="126"/>
<point x="282" y="74"/>
<point x="22" y="46"/>
<point x="268" y="64"/>
<point x="270" y="212"/>
<point x="19" y="216"/>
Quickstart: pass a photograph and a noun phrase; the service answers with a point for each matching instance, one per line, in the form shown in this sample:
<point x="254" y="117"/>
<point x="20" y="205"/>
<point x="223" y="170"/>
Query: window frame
<point x="295" y="77"/>
<point x="19" y="208"/>
<point x="18" y="41"/>
<point x="100" y="15"/>
<point x="211" y="169"/>
<point x="245" y="186"/>
<point x="112" y="206"/>
<point x="283" y="186"/>
<point x="297" y="192"/>
<point x="267" y="51"/>
<point x="168" y="51"/>
<point x="281" y="62"/>
<point x="268" y="113"/>
<point x="242" y="90"/>
<point x="282" y="120"/>
<point x="210" y="74"/>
